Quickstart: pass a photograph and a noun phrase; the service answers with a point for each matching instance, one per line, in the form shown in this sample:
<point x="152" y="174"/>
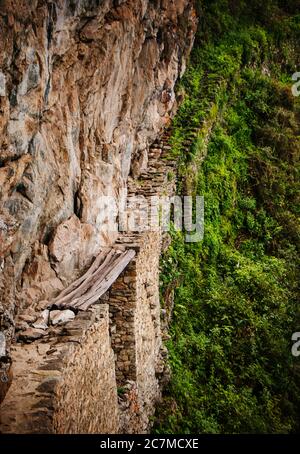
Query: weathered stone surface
<point x="40" y="324"/>
<point x="85" y="87"/>
<point x="61" y="317"/>
<point x="6" y="377"/>
<point x="75" y="366"/>
<point x="2" y="345"/>
<point x="31" y="334"/>
<point x="2" y="84"/>
<point x="42" y="321"/>
<point x="21" y="325"/>
<point x="64" y="387"/>
<point x="45" y="316"/>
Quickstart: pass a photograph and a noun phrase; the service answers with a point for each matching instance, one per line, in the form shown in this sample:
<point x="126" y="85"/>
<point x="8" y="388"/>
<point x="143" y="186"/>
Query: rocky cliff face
<point x="85" y="87"/>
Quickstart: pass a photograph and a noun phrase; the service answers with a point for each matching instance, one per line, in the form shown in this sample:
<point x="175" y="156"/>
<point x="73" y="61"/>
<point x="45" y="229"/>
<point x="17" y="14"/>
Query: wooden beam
<point x="107" y="280"/>
<point x="97" y="262"/>
<point x="90" y="278"/>
<point x="87" y="289"/>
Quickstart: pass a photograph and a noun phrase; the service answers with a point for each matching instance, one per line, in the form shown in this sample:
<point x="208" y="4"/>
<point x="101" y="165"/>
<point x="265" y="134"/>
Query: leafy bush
<point x="236" y="291"/>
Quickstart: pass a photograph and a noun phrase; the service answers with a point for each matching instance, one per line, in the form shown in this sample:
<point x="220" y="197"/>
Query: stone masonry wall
<point x="135" y="331"/>
<point x="64" y="382"/>
<point x="86" y="396"/>
<point x="100" y="372"/>
<point x="122" y="307"/>
<point x="85" y="87"/>
<point x="147" y="322"/>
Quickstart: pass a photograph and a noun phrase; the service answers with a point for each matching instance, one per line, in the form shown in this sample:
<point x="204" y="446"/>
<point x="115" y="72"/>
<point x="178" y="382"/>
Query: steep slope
<point x="85" y="87"/>
<point x="236" y="136"/>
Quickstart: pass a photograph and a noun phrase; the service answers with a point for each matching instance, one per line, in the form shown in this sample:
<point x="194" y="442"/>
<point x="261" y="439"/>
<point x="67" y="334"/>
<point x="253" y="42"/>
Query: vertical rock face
<point x="85" y="87"/>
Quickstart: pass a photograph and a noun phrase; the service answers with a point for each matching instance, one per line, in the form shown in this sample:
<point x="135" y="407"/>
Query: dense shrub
<point x="236" y="291"/>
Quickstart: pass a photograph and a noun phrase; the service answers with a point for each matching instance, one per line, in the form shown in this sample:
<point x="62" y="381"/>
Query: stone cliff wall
<point x="85" y="88"/>
<point x="100" y="372"/>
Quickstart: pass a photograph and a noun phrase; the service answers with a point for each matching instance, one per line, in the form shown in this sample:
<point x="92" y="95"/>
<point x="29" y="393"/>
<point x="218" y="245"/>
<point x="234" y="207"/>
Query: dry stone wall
<point x="65" y="381"/>
<point x="99" y="372"/>
<point x="135" y="332"/>
<point x="85" y="89"/>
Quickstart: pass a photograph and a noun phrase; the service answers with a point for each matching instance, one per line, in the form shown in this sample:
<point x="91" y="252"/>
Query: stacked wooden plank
<point x="87" y="289"/>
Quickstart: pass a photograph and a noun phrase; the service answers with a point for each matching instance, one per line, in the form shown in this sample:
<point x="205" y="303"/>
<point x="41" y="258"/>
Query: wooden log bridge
<point x="87" y="289"/>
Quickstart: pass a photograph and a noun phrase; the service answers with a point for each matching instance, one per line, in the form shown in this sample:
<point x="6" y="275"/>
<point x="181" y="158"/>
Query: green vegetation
<point x="237" y="138"/>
